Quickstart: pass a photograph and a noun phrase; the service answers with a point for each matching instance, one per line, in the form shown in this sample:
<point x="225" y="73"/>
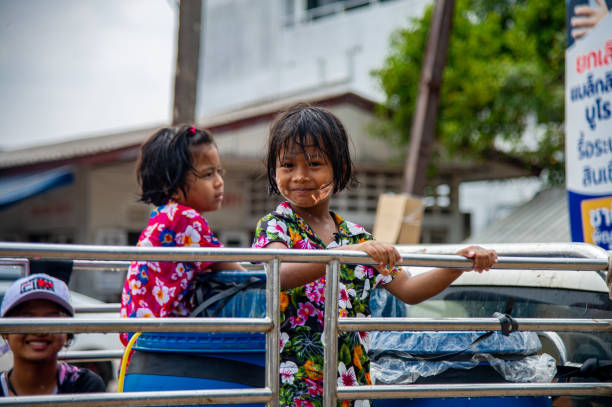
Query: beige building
<point x="85" y="191"/>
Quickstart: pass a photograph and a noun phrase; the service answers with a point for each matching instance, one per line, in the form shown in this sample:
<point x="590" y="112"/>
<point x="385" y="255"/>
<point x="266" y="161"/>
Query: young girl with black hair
<point x="180" y="172"/>
<point x="308" y="161"/>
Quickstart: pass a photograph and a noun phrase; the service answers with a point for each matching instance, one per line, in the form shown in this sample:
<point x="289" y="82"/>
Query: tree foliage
<point x="502" y="94"/>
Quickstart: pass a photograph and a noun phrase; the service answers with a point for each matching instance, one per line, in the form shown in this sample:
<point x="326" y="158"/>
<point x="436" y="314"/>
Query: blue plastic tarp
<point x="16" y="188"/>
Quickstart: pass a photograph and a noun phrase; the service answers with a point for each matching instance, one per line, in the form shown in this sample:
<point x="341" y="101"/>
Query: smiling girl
<point x="308" y="161"/>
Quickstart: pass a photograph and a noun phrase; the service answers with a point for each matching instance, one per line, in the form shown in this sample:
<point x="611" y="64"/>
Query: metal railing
<point x="537" y="257"/>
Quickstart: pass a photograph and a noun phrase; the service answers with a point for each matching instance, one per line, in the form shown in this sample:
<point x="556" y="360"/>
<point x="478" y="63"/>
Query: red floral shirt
<point x="163" y="289"/>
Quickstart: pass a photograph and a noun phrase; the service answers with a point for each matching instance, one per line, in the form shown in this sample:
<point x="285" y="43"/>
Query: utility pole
<point x="187" y="61"/>
<point x="426" y="111"/>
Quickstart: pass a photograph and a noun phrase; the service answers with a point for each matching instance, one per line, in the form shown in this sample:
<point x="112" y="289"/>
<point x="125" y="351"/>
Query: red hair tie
<point x="192" y="130"/>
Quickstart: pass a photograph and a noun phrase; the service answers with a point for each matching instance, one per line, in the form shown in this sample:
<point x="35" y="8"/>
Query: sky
<point x="77" y="68"/>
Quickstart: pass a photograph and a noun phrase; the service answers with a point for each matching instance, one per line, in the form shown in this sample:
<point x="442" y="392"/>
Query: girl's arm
<point x="413" y="290"/>
<point x="298" y="274"/>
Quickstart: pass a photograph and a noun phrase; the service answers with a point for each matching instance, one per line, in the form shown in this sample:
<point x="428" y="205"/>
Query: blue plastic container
<point x="248" y="302"/>
<point x="199" y="361"/>
<point x="205" y="361"/>
<point x="412" y="347"/>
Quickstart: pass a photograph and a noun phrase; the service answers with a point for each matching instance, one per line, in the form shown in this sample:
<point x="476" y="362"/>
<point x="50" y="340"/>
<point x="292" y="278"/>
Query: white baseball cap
<point x="37" y="287"/>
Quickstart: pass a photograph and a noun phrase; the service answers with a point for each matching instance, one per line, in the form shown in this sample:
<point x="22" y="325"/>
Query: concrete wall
<point x="250" y="54"/>
<point x="113" y="208"/>
<point x="367" y="149"/>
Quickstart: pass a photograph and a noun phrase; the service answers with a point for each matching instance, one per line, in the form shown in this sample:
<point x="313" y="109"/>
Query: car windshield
<point x="528" y="302"/>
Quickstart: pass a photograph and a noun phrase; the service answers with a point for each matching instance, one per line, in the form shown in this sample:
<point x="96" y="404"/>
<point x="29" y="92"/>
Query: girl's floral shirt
<point x="162" y="289"/>
<point x="302" y="311"/>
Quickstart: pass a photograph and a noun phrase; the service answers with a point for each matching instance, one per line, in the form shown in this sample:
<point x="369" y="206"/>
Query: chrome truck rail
<point x="576" y="250"/>
<point x="520" y="256"/>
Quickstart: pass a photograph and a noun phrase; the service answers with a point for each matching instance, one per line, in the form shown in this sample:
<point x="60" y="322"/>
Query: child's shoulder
<point x="174" y="210"/>
<point x="75" y="379"/>
<point x="356" y="229"/>
<point x="350" y="228"/>
<point x="282" y="211"/>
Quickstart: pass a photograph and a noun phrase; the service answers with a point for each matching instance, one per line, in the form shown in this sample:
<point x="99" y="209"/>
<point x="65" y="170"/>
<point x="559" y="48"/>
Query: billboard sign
<point x="588" y="127"/>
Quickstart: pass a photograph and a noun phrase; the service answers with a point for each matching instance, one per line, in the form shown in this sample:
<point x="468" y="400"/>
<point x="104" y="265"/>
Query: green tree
<point x="505" y="69"/>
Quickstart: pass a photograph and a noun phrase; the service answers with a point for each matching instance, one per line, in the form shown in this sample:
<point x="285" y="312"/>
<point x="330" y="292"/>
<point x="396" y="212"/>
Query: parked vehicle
<point x="526" y="294"/>
<point x="532" y="294"/>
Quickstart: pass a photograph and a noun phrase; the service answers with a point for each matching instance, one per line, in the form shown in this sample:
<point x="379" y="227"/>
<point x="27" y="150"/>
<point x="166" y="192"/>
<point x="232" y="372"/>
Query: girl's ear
<point x="69" y="340"/>
<point x="179" y="197"/>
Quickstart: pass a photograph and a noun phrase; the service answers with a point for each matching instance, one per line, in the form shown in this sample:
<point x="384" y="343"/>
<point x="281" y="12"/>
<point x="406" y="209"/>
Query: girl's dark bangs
<point x="312" y="136"/>
<point x="303" y="133"/>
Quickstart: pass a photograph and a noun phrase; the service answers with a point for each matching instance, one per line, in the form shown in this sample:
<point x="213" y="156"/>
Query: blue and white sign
<point x="588" y="134"/>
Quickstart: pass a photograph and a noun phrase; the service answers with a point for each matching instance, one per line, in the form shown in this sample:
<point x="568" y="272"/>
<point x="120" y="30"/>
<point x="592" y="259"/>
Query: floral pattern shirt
<point x="163" y="289"/>
<point x="302" y="311"/>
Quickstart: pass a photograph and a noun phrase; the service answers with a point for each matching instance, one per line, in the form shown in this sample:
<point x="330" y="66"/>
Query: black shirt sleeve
<point x="87" y="382"/>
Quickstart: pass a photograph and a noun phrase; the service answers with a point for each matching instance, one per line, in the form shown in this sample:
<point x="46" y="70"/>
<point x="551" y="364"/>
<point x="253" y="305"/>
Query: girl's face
<point x="205" y="186"/>
<point x="36" y="347"/>
<point x="304" y="178"/>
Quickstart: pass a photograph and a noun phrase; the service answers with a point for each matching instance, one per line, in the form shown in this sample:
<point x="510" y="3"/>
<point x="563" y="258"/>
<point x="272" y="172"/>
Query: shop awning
<point x="16" y="188"/>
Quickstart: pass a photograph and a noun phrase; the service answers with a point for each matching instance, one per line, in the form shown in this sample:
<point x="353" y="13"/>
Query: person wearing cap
<point x="36" y="370"/>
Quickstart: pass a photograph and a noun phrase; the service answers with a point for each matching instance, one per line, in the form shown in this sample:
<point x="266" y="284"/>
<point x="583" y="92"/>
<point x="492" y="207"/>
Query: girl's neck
<point x="317" y="212"/>
<point x="34" y="378"/>
<point x="320" y="221"/>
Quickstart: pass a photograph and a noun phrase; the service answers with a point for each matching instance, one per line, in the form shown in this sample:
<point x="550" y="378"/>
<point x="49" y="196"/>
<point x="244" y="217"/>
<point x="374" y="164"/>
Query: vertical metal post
<point x="330" y="334"/>
<point x="426" y="110"/>
<point x="273" y="337"/>
<point x="187" y="61"/>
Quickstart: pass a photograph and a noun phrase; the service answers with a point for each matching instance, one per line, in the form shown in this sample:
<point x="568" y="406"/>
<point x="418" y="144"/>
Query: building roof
<point x="63" y="152"/>
<point x="266" y="109"/>
<point x="124" y="145"/>
<point x="544" y="219"/>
